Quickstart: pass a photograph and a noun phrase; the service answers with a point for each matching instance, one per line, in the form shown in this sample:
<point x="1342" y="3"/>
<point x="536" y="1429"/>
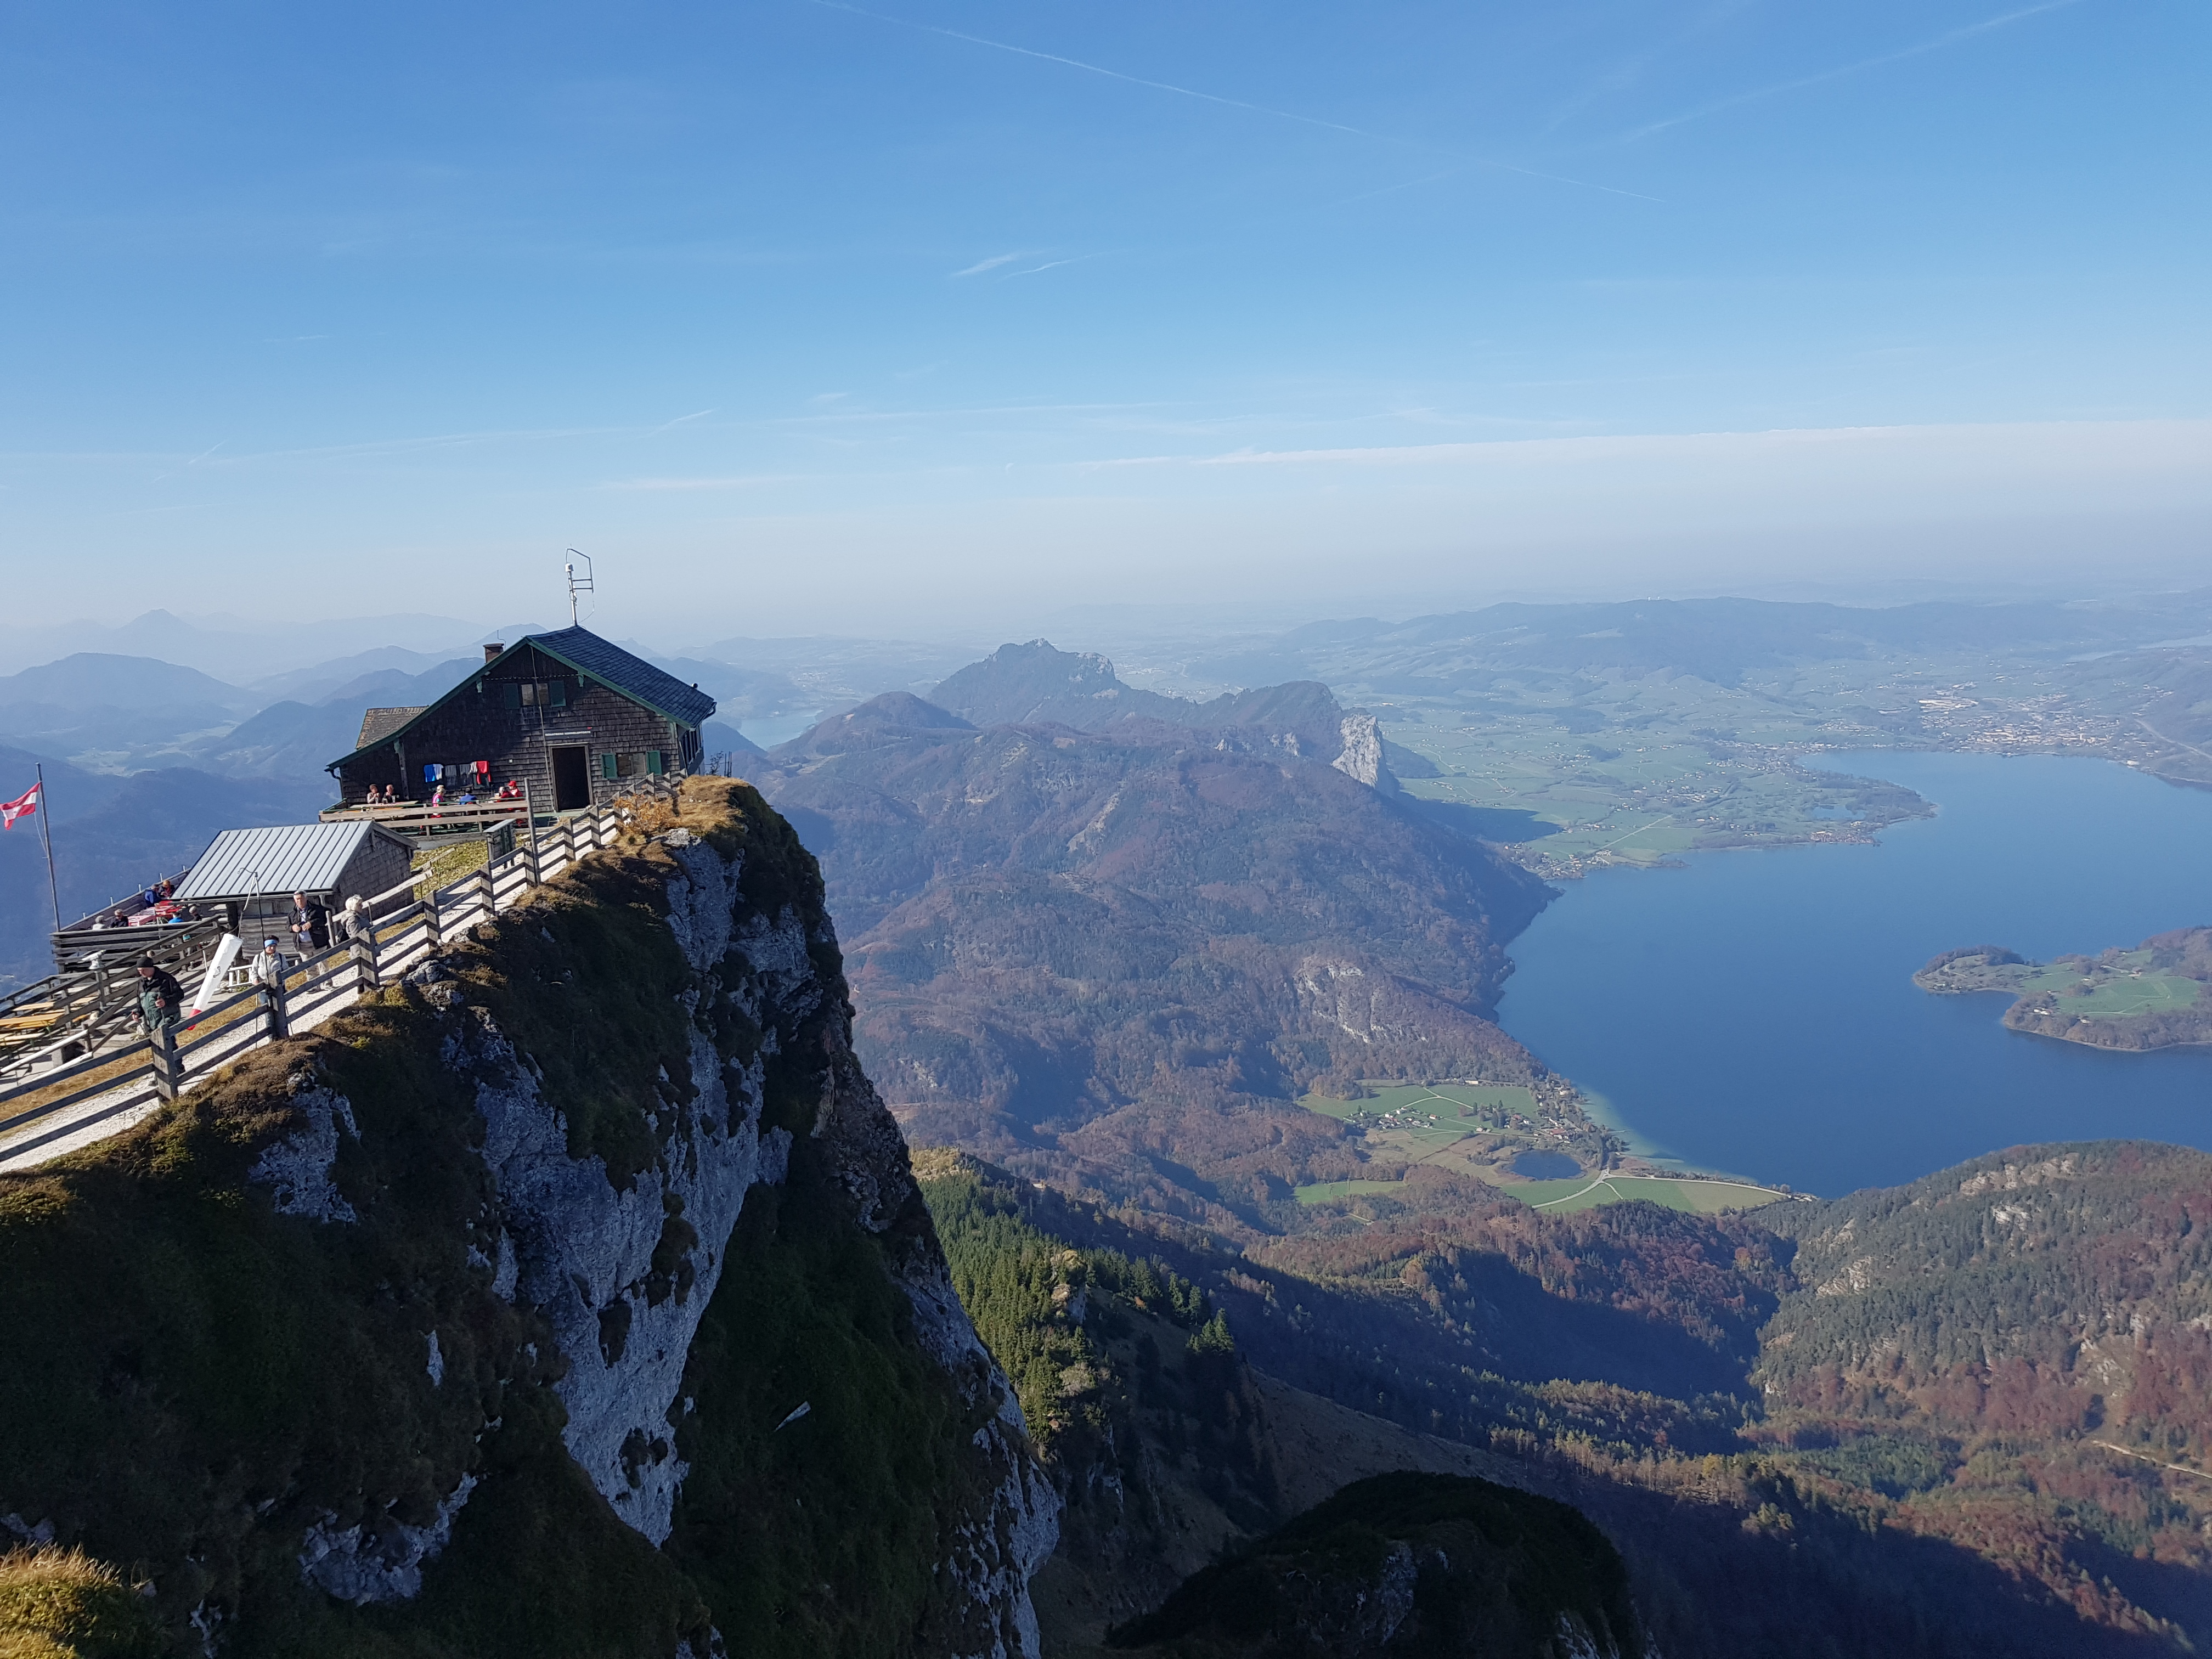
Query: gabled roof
<point x="283" y="857"/>
<point x="574" y="648"/>
<point x="378" y="724"/>
<point x="605" y="662"/>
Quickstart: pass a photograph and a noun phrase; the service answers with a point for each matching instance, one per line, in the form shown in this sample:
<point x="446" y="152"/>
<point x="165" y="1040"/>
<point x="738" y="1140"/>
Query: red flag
<point x="21" y="807"/>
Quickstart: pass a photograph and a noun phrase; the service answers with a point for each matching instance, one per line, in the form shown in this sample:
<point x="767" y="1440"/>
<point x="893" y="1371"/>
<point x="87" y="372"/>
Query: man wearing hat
<point x="268" y="968"/>
<point x="161" y="999"/>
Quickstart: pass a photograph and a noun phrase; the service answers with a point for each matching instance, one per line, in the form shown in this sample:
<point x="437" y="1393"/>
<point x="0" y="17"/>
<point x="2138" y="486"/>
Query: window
<point x="547" y="694"/>
<point x="636" y="763"/>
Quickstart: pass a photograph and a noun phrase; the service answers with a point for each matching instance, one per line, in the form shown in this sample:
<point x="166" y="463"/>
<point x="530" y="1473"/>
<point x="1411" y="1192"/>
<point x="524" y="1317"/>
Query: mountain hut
<point x="567" y="714"/>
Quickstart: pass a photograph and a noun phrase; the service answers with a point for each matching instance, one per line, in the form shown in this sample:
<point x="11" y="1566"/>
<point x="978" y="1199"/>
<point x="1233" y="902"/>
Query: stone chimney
<point x="492" y="650"/>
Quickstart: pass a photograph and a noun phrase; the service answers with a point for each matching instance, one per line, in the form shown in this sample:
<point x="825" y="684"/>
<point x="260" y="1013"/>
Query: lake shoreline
<point x="1760" y="1013"/>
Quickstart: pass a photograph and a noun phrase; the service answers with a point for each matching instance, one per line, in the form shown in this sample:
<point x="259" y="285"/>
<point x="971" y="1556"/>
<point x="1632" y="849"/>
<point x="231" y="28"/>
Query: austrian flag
<point x="21" y="807"/>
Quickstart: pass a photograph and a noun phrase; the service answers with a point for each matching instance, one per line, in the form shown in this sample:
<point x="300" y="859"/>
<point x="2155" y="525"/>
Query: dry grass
<point x="56" y="1603"/>
<point x="437" y="867"/>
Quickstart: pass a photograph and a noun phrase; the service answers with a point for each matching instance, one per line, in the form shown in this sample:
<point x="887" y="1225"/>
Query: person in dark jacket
<point x="161" y="999"/>
<point x="310" y="925"/>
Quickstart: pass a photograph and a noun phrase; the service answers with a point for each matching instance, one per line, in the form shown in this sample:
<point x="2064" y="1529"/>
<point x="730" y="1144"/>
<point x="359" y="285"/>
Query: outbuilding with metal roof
<point x="252" y="873"/>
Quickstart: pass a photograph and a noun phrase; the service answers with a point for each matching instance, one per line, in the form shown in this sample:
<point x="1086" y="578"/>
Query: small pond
<point x="1544" y="1166"/>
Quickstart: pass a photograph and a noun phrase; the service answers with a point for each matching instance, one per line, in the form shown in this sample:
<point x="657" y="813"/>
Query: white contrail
<point x="1215" y="98"/>
<point x="1949" y="38"/>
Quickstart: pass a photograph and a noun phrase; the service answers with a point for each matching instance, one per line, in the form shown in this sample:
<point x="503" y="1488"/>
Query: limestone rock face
<point x="624" y="1285"/>
<point x="471" y="1314"/>
<point x="1362" y="755"/>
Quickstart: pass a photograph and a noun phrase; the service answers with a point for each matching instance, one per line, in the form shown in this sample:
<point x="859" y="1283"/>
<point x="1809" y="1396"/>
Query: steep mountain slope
<point x="572" y="1299"/>
<point x="1788" y="1466"/>
<point x="1427" y="1566"/>
<point x="2039" y="1320"/>
<point x="1124" y="951"/>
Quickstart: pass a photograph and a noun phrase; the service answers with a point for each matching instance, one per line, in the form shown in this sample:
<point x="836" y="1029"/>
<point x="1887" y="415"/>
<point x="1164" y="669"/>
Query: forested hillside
<point x="1119" y="955"/>
<point x="1965" y="1415"/>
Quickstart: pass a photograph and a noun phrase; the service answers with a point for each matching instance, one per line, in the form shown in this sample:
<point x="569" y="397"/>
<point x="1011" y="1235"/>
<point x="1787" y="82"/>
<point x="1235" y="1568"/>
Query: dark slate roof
<point x="579" y="649"/>
<point x="380" y="723"/>
<point x="283" y="857"/>
<point x="585" y="652"/>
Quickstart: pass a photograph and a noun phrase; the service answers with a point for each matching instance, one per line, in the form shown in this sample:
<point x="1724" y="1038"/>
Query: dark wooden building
<point x="568" y="713"/>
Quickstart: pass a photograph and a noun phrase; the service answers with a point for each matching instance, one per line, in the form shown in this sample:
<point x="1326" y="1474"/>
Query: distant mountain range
<point x="1120" y="952"/>
<point x="1717" y="640"/>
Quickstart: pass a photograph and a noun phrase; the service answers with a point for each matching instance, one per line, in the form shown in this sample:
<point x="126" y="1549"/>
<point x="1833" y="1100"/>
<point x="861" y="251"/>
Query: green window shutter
<point x="652" y="762"/>
<point x="511" y="693"/>
<point x="607" y="766"/>
<point x="560" y="694"/>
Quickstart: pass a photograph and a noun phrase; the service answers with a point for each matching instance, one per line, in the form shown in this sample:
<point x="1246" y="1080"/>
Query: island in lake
<point x="2151" y="997"/>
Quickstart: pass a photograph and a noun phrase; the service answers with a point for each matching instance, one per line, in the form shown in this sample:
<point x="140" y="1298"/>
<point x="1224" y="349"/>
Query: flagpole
<point x="45" y="817"/>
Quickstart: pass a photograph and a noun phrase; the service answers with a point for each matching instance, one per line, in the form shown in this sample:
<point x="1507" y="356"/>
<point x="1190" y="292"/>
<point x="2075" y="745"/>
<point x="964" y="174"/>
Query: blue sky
<point x="912" y="314"/>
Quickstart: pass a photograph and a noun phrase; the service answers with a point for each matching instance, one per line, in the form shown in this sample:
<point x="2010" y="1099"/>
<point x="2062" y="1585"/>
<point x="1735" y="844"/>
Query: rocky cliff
<point x="573" y="1298"/>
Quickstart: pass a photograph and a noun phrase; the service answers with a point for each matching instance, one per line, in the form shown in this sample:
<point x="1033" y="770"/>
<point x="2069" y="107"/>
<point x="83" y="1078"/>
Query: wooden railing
<point x="115" y="1077"/>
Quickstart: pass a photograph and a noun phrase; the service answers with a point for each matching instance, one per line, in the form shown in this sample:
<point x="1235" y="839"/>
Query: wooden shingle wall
<point x="478" y="725"/>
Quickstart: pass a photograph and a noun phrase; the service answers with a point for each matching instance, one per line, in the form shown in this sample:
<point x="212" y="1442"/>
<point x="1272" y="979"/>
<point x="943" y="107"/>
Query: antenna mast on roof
<point x="577" y="584"/>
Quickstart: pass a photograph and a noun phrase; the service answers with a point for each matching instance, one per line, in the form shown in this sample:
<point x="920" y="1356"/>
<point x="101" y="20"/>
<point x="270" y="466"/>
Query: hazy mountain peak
<point x="1023" y="684"/>
<point x="894" y="717"/>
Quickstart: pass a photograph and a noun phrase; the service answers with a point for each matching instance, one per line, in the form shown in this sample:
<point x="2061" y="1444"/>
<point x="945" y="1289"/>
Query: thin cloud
<point x="1051" y="265"/>
<point x="1215" y="98"/>
<point x="192" y="463"/>
<point x="992" y="263"/>
<point x="696" y="415"/>
<point x="1949" y="38"/>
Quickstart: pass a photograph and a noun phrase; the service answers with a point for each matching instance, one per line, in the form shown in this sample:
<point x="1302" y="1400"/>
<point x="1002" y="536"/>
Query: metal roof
<point x="589" y="655"/>
<point x="284" y="858"/>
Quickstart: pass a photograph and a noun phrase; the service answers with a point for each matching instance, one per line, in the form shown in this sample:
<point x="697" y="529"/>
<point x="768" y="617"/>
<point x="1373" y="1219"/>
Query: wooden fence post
<point x="362" y="949"/>
<point x="164" y="1044"/>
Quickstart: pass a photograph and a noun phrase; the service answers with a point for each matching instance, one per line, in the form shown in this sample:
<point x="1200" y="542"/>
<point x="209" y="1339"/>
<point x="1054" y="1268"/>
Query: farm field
<point x="2116" y="984"/>
<point x="1699" y="1197"/>
<point x="1467" y="1105"/>
<point x="1587" y="1192"/>
<point x="1560" y="801"/>
<point x="1328" y="1192"/>
<point x="1499" y="1134"/>
<point x="1465" y="1127"/>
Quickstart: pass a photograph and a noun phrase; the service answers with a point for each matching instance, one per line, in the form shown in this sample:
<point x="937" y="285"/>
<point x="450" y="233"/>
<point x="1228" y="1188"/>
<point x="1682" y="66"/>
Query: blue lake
<point x="1754" y="1012"/>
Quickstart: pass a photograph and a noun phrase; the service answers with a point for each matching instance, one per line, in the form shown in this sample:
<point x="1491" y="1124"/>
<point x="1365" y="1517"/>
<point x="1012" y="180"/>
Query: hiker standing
<point x="268" y="968"/>
<point x="161" y="999"/>
<point x="307" y="922"/>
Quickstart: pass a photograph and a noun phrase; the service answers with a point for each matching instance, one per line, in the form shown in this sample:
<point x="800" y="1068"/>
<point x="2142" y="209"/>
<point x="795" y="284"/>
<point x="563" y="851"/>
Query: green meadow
<point x="1586" y="1193"/>
<point x="1467" y="1105"/>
